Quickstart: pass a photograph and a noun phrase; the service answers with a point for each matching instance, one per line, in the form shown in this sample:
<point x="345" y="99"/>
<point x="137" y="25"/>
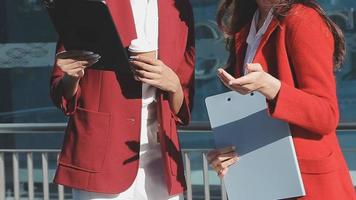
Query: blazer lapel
<point x="121" y="13"/>
<point x="271" y="28"/>
<point x="163" y="32"/>
<point x="172" y="30"/>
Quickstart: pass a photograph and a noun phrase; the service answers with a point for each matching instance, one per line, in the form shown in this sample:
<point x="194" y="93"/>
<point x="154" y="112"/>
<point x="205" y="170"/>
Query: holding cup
<point x="142" y="48"/>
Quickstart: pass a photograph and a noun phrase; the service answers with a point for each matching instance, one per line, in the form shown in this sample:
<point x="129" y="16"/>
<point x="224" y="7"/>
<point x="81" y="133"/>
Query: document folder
<point x="268" y="167"/>
<point x="88" y="25"/>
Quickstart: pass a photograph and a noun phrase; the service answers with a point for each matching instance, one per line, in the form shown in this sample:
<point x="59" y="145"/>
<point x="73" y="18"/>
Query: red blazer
<point x="298" y="50"/>
<point x="101" y="146"/>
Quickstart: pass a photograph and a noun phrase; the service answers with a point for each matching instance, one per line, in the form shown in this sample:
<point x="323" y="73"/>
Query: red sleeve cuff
<point x="70" y="106"/>
<point x="279" y="106"/>
<point x="183" y="116"/>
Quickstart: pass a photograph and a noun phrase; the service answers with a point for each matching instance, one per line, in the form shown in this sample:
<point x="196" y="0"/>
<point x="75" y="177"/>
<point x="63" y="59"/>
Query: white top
<point x="254" y="37"/>
<point x="145" y="13"/>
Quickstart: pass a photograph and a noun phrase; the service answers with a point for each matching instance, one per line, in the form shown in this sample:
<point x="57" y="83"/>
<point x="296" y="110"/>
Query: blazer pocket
<point x="319" y="166"/>
<point x="86" y="140"/>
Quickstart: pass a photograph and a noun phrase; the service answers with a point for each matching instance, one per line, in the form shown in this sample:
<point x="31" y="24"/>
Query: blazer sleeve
<point x="312" y="104"/>
<point x="185" y="73"/>
<point x="68" y="106"/>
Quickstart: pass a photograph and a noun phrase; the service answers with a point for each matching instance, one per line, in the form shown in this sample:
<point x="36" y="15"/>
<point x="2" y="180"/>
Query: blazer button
<point x="132" y="120"/>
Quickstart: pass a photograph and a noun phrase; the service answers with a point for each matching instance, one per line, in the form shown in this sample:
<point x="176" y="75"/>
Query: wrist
<point x="176" y="86"/>
<point x="176" y="99"/>
<point x="70" y="85"/>
<point x="271" y="88"/>
<point x="71" y="79"/>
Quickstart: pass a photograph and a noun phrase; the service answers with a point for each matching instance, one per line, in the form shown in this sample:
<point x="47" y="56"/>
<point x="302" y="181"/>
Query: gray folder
<point x="268" y="167"/>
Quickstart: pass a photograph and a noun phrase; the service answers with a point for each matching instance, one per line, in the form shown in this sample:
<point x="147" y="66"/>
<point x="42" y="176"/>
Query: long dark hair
<point x="235" y="14"/>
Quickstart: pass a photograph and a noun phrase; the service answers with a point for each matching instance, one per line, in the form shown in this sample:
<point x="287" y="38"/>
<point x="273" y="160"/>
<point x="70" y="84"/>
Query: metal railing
<point x="14" y="155"/>
<point x="206" y="185"/>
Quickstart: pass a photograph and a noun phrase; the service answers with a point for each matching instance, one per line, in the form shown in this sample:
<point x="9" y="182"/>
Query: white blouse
<point x="145" y="13"/>
<point x="254" y="37"/>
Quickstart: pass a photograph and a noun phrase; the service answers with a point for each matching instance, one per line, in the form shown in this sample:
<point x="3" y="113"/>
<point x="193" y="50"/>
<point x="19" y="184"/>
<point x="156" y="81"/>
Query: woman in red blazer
<point x="293" y="68"/>
<point x="101" y="147"/>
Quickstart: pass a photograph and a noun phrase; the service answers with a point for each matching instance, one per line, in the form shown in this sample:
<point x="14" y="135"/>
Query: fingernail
<point x="88" y="52"/>
<point x="133" y="57"/>
<point x="95" y="55"/>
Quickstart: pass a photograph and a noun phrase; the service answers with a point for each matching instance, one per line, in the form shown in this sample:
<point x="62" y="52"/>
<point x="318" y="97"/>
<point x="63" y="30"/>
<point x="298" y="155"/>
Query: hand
<point x="73" y="63"/>
<point x="155" y="73"/>
<point x="221" y="159"/>
<point x="255" y="80"/>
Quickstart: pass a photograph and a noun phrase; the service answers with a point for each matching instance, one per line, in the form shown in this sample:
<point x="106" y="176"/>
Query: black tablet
<point x="88" y="25"/>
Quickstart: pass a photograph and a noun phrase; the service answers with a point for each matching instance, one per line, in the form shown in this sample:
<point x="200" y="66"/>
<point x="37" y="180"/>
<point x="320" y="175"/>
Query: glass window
<point x="27" y="46"/>
<point x="343" y="13"/>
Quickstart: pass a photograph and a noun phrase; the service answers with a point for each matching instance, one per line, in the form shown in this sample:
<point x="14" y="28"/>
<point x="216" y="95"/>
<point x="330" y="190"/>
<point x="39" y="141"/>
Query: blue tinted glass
<point x="27" y="45"/>
<point x="343" y="13"/>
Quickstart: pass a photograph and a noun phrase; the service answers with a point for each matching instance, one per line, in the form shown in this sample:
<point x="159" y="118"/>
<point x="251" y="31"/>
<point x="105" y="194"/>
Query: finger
<point x="226" y="156"/>
<point x="247" y="79"/>
<point x="146" y="74"/>
<point x="223" y="172"/>
<point x="235" y="87"/>
<point x="220" y="167"/>
<point x="213" y="154"/>
<point x="216" y="165"/>
<point x="78" y="58"/>
<point x="224" y="80"/>
<point x="151" y="82"/>
<point x="245" y="89"/>
<point x="253" y="67"/>
<point x="78" y="64"/>
<point x="78" y="72"/>
<point x="225" y="75"/>
<point x="240" y="89"/>
<point x="229" y="162"/>
<point x="71" y="53"/>
<point x="81" y="73"/>
<point x="147" y="60"/>
<point x="144" y="66"/>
